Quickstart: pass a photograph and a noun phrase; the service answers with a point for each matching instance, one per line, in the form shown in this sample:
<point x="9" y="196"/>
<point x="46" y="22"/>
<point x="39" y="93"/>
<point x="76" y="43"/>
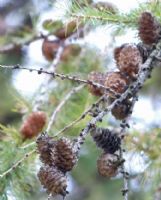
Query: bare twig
<point x="61" y="104"/>
<point x="63" y="76"/>
<point x="10" y="47"/>
<point x="83" y="115"/>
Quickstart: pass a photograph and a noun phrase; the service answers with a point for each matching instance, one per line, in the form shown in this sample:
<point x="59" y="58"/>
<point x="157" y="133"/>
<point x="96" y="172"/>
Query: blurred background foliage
<point x="20" y="22"/>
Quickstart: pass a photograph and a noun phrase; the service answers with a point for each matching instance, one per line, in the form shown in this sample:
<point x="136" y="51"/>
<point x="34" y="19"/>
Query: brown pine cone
<point x="121" y="110"/>
<point x="117" y="82"/>
<point x="50" y="48"/>
<point x="68" y="30"/>
<point x="69" y="51"/>
<point x="128" y="58"/>
<point x="44" y="145"/>
<point x="149" y="28"/>
<point x="105" y="6"/>
<point x="97" y="77"/>
<point x="33" y="124"/>
<point x="63" y="155"/>
<point x="53" y="180"/>
<point x="108" y="165"/>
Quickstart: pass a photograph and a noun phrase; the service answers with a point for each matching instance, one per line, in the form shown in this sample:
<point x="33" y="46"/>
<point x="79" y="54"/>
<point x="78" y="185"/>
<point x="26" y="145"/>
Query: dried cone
<point x="149" y="28"/>
<point x="97" y="77"/>
<point x="64" y="156"/>
<point x="53" y="180"/>
<point x="107" y="165"/>
<point x="68" y="30"/>
<point x="105" y="6"/>
<point x="121" y="110"/>
<point x="69" y="51"/>
<point x="50" y="48"/>
<point x="106" y="139"/>
<point x="44" y="146"/>
<point x="117" y="82"/>
<point x="33" y="124"/>
<point x="117" y="51"/>
<point x="128" y="58"/>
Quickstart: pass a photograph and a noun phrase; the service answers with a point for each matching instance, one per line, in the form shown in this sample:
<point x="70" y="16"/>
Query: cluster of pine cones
<point x="58" y="158"/>
<point x="129" y="58"/>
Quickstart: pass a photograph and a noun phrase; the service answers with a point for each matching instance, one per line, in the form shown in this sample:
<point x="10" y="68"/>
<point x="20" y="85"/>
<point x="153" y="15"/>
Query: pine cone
<point x="116" y="81"/>
<point x="117" y="51"/>
<point x="68" y="30"/>
<point x="149" y="28"/>
<point x="44" y="146"/>
<point x="63" y="155"/>
<point x="50" y="48"/>
<point x="129" y="59"/>
<point x="106" y="139"/>
<point x="33" y="125"/>
<point x="107" y="165"/>
<point x="53" y="180"/>
<point x="97" y="77"/>
<point x="121" y="110"/>
<point x="105" y="6"/>
<point x="69" y="51"/>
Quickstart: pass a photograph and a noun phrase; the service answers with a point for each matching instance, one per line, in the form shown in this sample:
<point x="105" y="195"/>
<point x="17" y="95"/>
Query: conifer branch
<point x="62" y="77"/>
<point x="61" y="104"/>
<point x="17" y="164"/>
<point x="83" y="115"/>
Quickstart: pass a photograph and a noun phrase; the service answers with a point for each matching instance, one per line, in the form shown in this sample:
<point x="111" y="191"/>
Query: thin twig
<point x="83" y="115"/>
<point x="12" y="46"/>
<point x="17" y="163"/>
<point x="62" y="76"/>
<point x="61" y="104"/>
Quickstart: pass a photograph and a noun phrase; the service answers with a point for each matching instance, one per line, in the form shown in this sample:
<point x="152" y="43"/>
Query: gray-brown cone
<point x="64" y="155"/>
<point x="107" y="165"/>
<point x="53" y="180"/>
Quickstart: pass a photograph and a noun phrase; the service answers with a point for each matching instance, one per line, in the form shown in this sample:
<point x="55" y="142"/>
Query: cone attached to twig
<point x="117" y="82"/>
<point x="128" y="59"/>
<point x="108" y="165"/>
<point x="149" y="28"/>
<point x="97" y="77"/>
<point x="53" y="180"/>
<point x="121" y="111"/>
<point x="33" y="124"/>
<point x="45" y="144"/>
<point x="64" y="155"/>
<point x="106" y="139"/>
<point x="50" y="48"/>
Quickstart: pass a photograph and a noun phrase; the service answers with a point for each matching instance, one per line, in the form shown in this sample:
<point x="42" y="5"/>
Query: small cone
<point x="33" y="124"/>
<point x="97" y="77"/>
<point x="106" y="139"/>
<point x="53" y="180"/>
<point x="129" y="59"/>
<point x="44" y="146"/>
<point x="67" y="30"/>
<point x="117" y="82"/>
<point x="50" y="48"/>
<point x="121" y="110"/>
<point x="63" y="155"/>
<point x="69" y="51"/>
<point x="107" y="165"/>
<point x="149" y="28"/>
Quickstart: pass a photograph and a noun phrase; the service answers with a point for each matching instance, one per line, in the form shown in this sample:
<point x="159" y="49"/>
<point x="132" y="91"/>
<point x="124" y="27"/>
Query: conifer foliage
<point x="72" y="82"/>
